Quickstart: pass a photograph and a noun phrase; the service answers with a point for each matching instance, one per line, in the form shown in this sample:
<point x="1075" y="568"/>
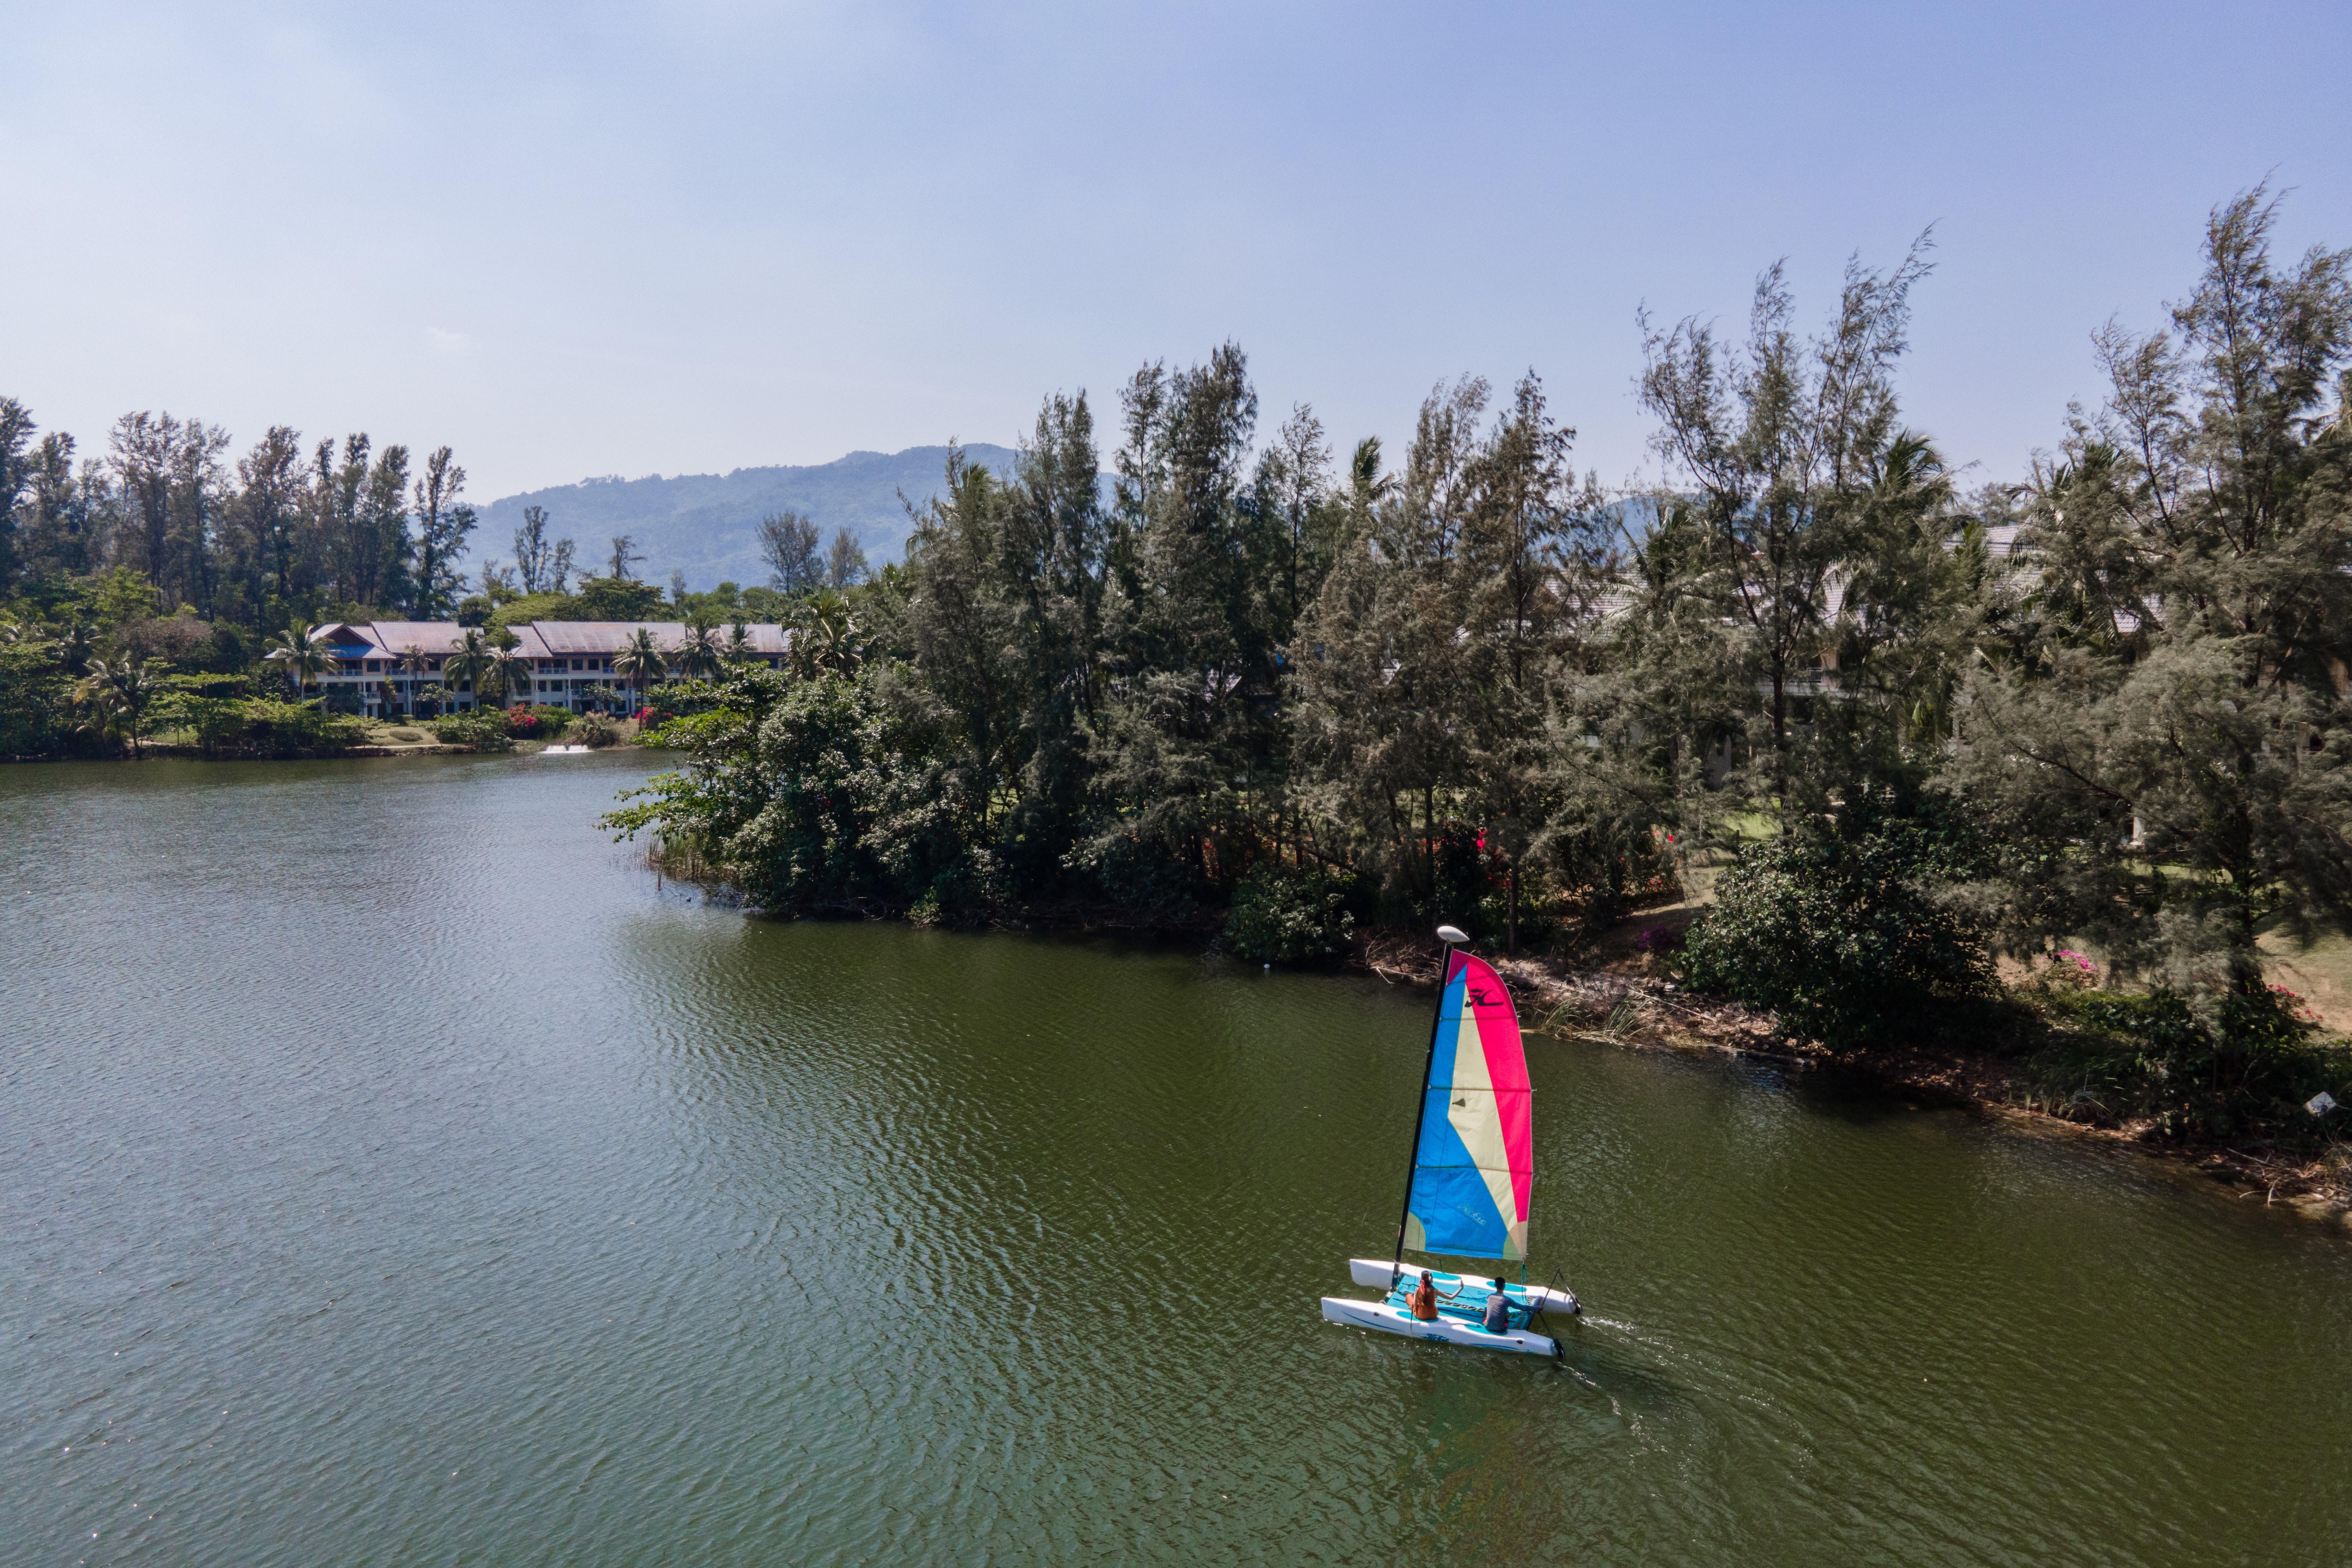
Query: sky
<point x="594" y="239"/>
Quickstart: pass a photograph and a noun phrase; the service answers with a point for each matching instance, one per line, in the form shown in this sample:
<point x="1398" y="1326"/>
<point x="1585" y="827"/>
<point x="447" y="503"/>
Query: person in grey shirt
<point x="1498" y="1310"/>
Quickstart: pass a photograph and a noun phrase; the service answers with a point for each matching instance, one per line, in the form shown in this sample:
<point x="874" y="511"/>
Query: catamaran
<point x="1471" y="1173"/>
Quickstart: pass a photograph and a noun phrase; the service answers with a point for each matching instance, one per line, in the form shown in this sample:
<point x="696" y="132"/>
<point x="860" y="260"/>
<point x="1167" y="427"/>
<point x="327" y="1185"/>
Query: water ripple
<point x="394" y="1174"/>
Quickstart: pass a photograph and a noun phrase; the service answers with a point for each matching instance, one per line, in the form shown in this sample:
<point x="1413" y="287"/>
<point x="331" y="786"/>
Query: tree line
<point x="2099" y="703"/>
<point x="283" y="531"/>
<point x="161" y="572"/>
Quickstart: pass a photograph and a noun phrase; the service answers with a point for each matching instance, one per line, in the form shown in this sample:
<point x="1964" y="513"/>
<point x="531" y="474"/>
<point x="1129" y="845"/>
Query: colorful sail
<point x="1476" y="1165"/>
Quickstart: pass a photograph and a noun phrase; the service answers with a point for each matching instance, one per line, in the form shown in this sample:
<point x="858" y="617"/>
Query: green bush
<point x="592" y="730"/>
<point x="484" y="729"/>
<point x="269" y="728"/>
<point x="34" y="717"/>
<point x="1283" y="914"/>
<point x="1844" y="936"/>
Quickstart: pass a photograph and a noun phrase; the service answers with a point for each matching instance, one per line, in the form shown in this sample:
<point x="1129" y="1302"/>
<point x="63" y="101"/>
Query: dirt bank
<point x="1618" y="995"/>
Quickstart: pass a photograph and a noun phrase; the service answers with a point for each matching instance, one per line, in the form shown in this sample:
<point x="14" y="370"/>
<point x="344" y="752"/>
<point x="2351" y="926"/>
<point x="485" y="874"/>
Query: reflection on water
<point x="394" y="1174"/>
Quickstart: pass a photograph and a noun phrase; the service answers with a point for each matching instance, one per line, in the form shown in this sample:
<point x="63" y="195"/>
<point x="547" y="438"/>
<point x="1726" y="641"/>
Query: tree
<point x="542" y="563"/>
<point x="844" y="564"/>
<point x="265" y="521"/>
<point x="825" y="636"/>
<point x="1521" y="588"/>
<point x="626" y="555"/>
<point x="640" y="661"/>
<point x="698" y="655"/>
<point x="413" y="663"/>
<point x="788" y="542"/>
<point x="74" y="645"/>
<point x="1185" y="737"/>
<point x="1301" y="520"/>
<point x="118" y="695"/>
<point x="378" y="562"/>
<point x="2161" y="751"/>
<point x="169" y="473"/>
<point x="618" y="599"/>
<point x="508" y="673"/>
<point x="443" y="524"/>
<point x="16" y="440"/>
<point x="53" y="540"/>
<point x="1777" y="442"/>
<point x="98" y="697"/>
<point x="1054" y="560"/>
<point x="469" y="661"/>
<point x="299" y="652"/>
<point x="1381" y="687"/>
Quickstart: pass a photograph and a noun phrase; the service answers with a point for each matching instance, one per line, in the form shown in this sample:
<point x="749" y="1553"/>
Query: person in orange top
<point x="1423" y="1299"/>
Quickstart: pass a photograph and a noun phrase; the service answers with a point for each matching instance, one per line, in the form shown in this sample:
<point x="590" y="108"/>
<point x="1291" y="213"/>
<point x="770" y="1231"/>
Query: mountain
<point x="707" y="524"/>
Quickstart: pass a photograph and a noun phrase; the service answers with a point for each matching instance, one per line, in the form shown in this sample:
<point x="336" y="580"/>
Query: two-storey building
<point x="569" y="664"/>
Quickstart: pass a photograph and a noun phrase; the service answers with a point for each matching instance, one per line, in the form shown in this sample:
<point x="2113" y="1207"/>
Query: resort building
<point x="569" y="663"/>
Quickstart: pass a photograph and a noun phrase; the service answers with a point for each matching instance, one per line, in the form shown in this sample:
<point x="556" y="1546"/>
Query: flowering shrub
<point x="2067" y="970"/>
<point x="2293" y="1004"/>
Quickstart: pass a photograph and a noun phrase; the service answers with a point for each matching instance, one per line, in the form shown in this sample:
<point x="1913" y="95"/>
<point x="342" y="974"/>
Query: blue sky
<point x="598" y="238"/>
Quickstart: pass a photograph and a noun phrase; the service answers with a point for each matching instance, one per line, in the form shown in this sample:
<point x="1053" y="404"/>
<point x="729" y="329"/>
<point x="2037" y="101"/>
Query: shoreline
<point x="1641" y="1011"/>
<point x="1635" y="1013"/>
<point x="178" y="753"/>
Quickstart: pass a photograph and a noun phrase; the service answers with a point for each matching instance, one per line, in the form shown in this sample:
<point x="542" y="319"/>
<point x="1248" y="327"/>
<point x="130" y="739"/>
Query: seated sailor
<point x="1497" y="1319"/>
<point x="1423" y="1299"/>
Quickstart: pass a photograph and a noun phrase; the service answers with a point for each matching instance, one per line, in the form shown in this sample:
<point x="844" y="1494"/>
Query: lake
<point x="395" y="1172"/>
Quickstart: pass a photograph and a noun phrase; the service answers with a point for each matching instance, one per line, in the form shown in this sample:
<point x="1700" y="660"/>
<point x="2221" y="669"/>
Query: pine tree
<point x="2161" y="754"/>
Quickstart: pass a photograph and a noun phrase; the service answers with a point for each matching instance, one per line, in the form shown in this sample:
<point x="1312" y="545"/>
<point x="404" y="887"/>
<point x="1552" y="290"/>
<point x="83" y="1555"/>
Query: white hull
<point x="1378" y="1271"/>
<point x="1445" y="1330"/>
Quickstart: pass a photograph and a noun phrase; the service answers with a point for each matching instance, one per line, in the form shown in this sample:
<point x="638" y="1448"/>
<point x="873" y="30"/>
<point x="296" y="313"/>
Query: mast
<point x="1450" y="936"/>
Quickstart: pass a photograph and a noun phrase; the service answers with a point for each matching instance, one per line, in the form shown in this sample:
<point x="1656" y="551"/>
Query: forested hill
<point x="707" y="523"/>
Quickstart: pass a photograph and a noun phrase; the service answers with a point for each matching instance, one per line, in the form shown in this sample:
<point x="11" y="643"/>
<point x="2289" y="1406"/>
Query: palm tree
<point x="138" y="684"/>
<point x="118" y="695"/>
<point x="299" y="653"/>
<point x="96" y="693"/>
<point x="699" y="653"/>
<point x="738" y="645"/>
<point x="641" y="660"/>
<point x="825" y="637"/>
<point x="412" y="664"/>
<point x="509" y="670"/>
<point x="470" y="662"/>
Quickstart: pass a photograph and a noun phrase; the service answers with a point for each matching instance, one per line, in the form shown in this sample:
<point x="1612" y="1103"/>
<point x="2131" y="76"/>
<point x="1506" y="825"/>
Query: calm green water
<point x="391" y="1173"/>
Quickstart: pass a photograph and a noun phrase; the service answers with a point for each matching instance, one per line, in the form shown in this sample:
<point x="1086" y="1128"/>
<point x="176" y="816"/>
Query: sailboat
<point x="1471" y="1173"/>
